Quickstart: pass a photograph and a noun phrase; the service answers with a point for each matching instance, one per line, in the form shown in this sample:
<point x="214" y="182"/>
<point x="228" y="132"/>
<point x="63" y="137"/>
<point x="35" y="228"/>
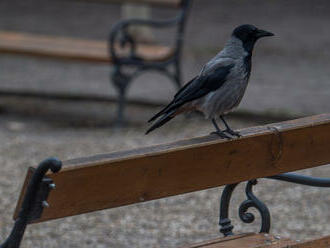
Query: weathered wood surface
<point x="73" y="49"/>
<point x="122" y="178"/>
<point x="249" y="240"/>
<point x="323" y="242"/>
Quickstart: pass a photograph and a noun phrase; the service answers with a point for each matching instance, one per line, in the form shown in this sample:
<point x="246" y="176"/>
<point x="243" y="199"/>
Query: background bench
<point x="139" y="175"/>
<point x="121" y="50"/>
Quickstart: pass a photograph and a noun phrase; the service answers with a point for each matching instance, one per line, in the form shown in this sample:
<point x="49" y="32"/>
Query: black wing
<point x="198" y="87"/>
<point x="205" y="84"/>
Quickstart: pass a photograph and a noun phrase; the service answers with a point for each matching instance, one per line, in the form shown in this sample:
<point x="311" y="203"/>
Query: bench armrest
<point x="120" y="32"/>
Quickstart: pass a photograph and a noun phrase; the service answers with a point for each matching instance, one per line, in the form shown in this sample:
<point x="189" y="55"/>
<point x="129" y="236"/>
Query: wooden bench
<point x="117" y="179"/>
<point x="121" y="50"/>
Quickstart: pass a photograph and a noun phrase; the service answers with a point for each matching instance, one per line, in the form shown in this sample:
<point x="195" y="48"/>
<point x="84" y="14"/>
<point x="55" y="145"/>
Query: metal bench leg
<point x="178" y="75"/>
<point x="34" y="201"/>
<point x="121" y="82"/>
<point x="121" y="106"/>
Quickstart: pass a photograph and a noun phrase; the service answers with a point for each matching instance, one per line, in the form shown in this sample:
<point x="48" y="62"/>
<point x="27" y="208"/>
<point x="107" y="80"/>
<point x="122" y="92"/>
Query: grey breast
<point x="230" y="94"/>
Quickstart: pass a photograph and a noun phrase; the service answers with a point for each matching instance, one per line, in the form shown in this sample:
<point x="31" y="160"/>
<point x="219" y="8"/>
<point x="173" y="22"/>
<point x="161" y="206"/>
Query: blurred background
<point x="290" y="78"/>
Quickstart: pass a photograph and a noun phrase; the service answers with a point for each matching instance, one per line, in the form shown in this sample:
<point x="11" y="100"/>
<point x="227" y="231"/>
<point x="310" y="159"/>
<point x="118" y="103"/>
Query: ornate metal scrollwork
<point x="245" y="216"/>
<point x="253" y="201"/>
<point x="226" y="228"/>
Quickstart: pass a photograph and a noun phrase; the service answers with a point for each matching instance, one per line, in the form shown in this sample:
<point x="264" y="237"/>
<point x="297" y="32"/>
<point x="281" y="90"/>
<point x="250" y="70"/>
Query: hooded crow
<point x="221" y="84"/>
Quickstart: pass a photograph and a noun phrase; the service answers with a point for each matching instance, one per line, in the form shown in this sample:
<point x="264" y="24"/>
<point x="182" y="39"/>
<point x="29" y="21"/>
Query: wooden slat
<point x="251" y="240"/>
<point x="245" y="241"/>
<point x="323" y="242"/>
<point x="72" y="49"/>
<point x="122" y="178"/>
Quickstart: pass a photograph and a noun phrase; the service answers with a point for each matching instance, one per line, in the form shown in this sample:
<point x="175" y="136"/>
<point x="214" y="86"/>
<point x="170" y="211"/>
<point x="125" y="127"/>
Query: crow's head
<point x="249" y="34"/>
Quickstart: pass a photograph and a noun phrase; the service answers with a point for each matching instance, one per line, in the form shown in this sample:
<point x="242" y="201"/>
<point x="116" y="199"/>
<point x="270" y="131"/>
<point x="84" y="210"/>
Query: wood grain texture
<point x="73" y="49"/>
<point x="24" y="188"/>
<point x="323" y="242"/>
<point x="245" y="241"/>
<point x="139" y="175"/>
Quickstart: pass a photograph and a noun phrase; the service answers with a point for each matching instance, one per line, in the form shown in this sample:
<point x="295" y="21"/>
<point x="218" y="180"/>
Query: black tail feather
<point x="157" y="115"/>
<point x="163" y="111"/>
<point x="173" y="104"/>
<point x="167" y="117"/>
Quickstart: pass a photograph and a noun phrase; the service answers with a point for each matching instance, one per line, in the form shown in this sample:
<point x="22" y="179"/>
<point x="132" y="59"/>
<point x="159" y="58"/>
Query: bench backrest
<point x="181" y="18"/>
<point x="122" y="178"/>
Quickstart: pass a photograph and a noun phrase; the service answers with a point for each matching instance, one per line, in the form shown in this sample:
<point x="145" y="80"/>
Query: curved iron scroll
<point x="253" y="201"/>
<point x="245" y="216"/>
<point x="226" y="228"/>
<point x="32" y="196"/>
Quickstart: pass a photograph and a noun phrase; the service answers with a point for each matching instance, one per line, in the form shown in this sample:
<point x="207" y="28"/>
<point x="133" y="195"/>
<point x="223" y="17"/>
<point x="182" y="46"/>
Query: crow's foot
<point x="222" y="135"/>
<point x="232" y="132"/>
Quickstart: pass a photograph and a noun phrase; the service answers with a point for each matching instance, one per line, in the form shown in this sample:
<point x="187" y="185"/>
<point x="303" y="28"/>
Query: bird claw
<point x="221" y="135"/>
<point x="233" y="133"/>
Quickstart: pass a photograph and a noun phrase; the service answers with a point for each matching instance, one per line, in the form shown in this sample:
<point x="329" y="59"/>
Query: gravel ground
<point x="49" y="130"/>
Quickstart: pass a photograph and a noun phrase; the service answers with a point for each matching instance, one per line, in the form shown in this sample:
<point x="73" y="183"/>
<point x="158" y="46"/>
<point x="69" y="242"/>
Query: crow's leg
<point x="228" y="129"/>
<point x="219" y="132"/>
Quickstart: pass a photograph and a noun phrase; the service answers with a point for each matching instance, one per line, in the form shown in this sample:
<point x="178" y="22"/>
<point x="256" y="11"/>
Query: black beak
<point x="263" y="33"/>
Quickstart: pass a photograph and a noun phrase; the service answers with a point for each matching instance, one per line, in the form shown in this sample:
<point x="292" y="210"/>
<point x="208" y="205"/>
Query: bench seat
<point x="252" y="240"/>
<point x="73" y="48"/>
<point x="249" y="240"/>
